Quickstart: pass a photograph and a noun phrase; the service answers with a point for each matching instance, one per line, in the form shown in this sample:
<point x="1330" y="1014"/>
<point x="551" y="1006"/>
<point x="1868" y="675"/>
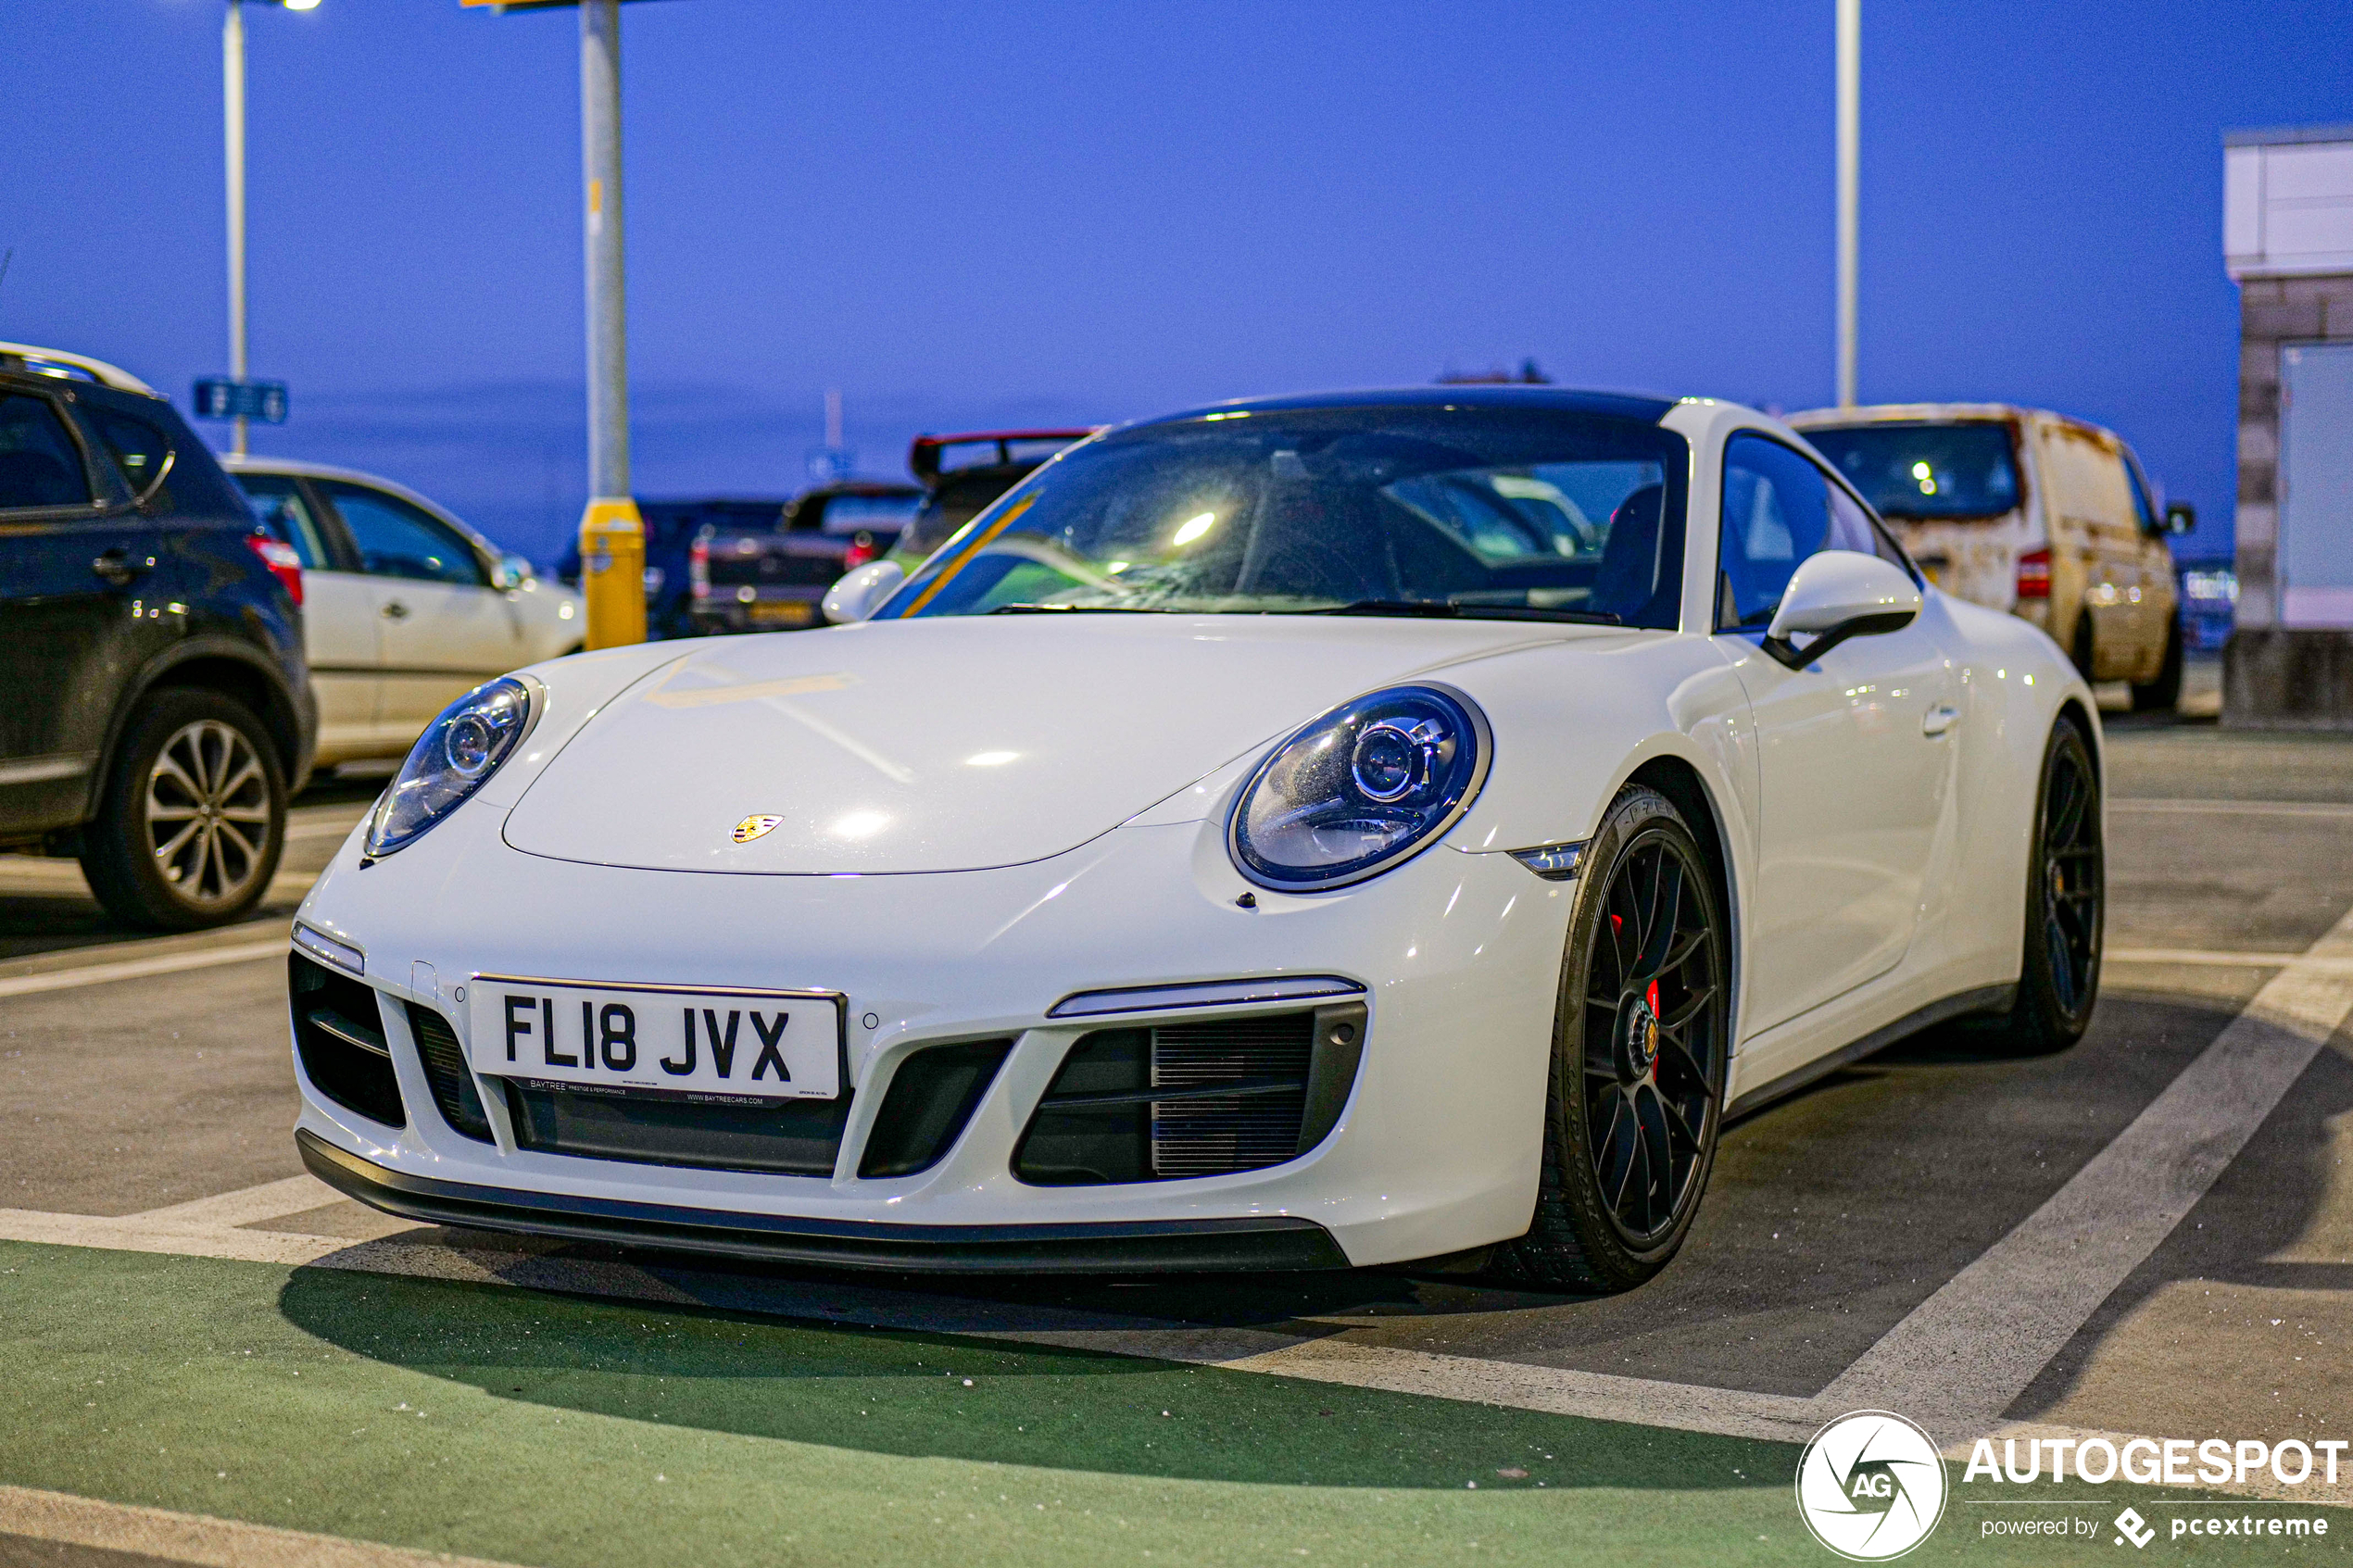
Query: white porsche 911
<point x="1297" y="834"/>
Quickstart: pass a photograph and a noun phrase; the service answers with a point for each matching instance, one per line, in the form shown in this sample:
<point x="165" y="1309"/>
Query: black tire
<point x="2082" y="652"/>
<point x="1641" y="1037"/>
<point x="2066" y="902"/>
<point x="2165" y="692"/>
<point x="193" y="817"/>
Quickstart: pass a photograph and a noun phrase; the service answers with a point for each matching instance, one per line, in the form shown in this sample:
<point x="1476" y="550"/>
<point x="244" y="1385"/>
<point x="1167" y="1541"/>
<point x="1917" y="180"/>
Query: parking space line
<point x="2206" y="958"/>
<point x="1972" y="1348"/>
<point x="138" y="969"/>
<point x="2160" y="804"/>
<point x="270" y="1201"/>
<point x="194" y="1538"/>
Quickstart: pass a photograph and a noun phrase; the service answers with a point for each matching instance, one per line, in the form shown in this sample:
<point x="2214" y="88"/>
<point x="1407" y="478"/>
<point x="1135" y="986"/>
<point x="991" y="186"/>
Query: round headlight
<point x="1361" y="788"/>
<point x="450" y="760"/>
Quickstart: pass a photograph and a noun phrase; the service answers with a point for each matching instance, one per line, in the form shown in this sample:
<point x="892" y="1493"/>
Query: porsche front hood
<point x="953" y="744"/>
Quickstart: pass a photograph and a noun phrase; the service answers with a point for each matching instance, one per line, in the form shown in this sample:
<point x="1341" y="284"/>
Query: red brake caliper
<point x="1651" y="996"/>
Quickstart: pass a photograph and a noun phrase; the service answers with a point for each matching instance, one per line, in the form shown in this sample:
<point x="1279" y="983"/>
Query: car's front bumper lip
<point x="1255" y="1243"/>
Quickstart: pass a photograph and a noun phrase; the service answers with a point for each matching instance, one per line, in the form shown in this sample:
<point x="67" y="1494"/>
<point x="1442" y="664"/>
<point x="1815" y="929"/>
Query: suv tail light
<point x="2035" y="574"/>
<point x="283" y="564"/>
<point x="861" y="551"/>
<point x="698" y="569"/>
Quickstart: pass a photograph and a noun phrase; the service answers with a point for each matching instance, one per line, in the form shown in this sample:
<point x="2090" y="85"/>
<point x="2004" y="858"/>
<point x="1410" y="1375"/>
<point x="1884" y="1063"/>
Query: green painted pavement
<point x="558" y="1430"/>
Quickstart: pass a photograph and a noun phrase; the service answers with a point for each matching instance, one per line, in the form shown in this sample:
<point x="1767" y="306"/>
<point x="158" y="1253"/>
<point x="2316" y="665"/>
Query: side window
<point x="1778" y="509"/>
<point x="1776" y="512"/>
<point x="398" y="540"/>
<point x="40" y="465"/>
<point x="141" y="452"/>
<point x="285" y="513"/>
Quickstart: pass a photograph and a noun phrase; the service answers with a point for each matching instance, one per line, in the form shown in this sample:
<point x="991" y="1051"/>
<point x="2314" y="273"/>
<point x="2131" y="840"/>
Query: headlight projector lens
<point x="1361" y="789"/>
<point x="450" y="760"/>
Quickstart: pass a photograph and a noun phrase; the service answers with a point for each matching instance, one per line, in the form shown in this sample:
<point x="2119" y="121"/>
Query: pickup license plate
<point x="783" y="612"/>
<point x="769" y="1045"/>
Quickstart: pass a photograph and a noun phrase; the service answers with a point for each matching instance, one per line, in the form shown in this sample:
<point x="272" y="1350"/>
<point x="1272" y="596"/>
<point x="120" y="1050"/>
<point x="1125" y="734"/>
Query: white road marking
<point x="194" y="1538"/>
<point x="271" y="1200"/>
<point x="1974" y="1346"/>
<point x="2205" y="958"/>
<point x="138" y="969"/>
<point x="2154" y="805"/>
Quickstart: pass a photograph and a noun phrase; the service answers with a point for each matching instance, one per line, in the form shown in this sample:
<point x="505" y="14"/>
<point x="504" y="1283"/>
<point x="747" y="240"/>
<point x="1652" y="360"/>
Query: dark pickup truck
<point x="773" y="578"/>
<point x="962" y="474"/>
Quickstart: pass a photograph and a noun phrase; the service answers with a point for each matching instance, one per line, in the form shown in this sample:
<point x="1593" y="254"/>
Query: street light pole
<point x="1850" y="156"/>
<point x="613" y="536"/>
<point x="233" y="98"/>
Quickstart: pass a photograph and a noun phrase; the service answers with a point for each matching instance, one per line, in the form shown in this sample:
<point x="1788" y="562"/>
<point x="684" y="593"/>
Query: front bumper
<point x="1267" y="1242"/>
<point x="1435" y="1150"/>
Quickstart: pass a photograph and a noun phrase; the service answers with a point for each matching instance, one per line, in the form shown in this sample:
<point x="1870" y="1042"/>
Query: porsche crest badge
<point x="755" y="827"/>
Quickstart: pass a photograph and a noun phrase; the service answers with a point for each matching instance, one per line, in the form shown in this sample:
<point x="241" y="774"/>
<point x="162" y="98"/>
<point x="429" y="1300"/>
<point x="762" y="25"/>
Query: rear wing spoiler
<point x="928" y="457"/>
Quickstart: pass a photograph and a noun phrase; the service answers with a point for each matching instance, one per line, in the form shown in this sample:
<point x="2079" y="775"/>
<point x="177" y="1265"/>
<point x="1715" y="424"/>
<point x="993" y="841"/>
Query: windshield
<point x="848" y="514"/>
<point x="1924" y="471"/>
<point x="1513" y="513"/>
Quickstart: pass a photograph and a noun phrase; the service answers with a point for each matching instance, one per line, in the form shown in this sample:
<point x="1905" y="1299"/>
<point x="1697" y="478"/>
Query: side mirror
<point x="857" y="595"/>
<point x="1835" y="595"/>
<point x="513" y="572"/>
<point x="2180" y="517"/>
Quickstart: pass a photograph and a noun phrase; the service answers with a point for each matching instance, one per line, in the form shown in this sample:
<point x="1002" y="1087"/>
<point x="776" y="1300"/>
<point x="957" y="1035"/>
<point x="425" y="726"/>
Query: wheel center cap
<point x="1640" y="1045"/>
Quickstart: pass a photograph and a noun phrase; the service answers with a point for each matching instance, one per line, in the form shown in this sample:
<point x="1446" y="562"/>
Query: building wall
<point x="2273" y="311"/>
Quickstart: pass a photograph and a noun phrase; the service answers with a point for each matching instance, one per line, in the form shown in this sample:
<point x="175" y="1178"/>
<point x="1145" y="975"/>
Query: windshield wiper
<point x="1446" y="610"/>
<point x="1073" y="609"/>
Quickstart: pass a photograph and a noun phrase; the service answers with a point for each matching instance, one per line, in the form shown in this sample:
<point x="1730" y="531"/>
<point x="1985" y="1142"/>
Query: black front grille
<point x="340" y="1036"/>
<point x="1206" y="1098"/>
<point x="931" y="1096"/>
<point x="444" y="1064"/>
<point x="797" y="1138"/>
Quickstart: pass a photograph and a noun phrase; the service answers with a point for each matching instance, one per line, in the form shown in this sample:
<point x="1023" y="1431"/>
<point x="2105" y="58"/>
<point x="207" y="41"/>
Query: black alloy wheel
<point x="2066" y="899"/>
<point x="194" y="817"/>
<point x="1639" y="1048"/>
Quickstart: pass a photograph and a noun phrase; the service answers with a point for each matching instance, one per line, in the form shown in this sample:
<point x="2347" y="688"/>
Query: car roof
<point x="1553" y="398"/>
<point x="1940" y="413"/>
<point x="250" y="463"/>
<point x="31" y="361"/>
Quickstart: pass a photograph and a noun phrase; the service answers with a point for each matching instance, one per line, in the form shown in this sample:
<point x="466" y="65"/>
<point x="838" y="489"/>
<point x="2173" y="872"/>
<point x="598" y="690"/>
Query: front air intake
<point x="339" y="1034"/>
<point x="453" y="1083"/>
<point x="931" y="1096"/>
<point x="1211" y="1097"/>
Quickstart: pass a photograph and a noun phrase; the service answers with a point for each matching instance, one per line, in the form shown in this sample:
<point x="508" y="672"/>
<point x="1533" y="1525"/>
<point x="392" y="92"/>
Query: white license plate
<point x="771" y="1044"/>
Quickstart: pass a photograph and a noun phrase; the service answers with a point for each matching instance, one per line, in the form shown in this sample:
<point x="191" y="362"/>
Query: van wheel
<point x="2082" y="652"/>
<point x="193" y="817"/>
<point x="2165" y="692"/>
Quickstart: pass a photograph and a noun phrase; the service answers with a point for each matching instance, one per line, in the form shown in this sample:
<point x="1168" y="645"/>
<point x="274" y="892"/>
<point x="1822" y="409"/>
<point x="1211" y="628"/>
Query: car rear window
<point x="1926" y="470"/>
<point x="142" y="453"/>
<point x="285" y="513"/>
<point x="40" y="465"/>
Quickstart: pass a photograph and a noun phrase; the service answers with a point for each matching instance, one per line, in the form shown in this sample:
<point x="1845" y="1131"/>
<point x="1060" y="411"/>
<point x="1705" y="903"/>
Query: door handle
<point x="394" y="611"/>
<point x="118" y="567"/>
<point x="1938" y="720"/>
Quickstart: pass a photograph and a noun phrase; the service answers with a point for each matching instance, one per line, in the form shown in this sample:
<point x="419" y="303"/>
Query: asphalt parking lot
<point x="2151" y="1234"/>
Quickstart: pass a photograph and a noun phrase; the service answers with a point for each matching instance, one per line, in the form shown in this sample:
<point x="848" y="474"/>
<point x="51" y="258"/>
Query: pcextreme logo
<point x="1870" y="1486"/>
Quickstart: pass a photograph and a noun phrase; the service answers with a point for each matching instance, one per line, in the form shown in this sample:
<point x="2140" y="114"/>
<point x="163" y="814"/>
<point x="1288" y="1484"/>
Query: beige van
<point x="2028" y="511"/>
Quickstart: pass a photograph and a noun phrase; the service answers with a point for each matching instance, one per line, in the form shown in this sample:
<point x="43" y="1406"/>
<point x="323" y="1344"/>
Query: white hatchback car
<point x="404" y="606"/>
<point x="1294" y="834"/>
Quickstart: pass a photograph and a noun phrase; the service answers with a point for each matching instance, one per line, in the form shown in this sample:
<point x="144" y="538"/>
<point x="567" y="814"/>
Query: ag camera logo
<point x="1870" y="1486"/>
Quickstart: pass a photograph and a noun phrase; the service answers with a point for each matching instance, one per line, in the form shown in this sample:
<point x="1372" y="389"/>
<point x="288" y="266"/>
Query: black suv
<point x="159" y="710"/>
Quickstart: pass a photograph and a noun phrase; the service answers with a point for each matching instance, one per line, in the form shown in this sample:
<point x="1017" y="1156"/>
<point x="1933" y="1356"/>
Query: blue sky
<point x="1059" y="212"/>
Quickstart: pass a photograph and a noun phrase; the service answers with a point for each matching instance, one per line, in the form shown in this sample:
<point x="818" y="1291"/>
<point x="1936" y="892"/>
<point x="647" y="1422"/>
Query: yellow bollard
<point x="612" y="570"/>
